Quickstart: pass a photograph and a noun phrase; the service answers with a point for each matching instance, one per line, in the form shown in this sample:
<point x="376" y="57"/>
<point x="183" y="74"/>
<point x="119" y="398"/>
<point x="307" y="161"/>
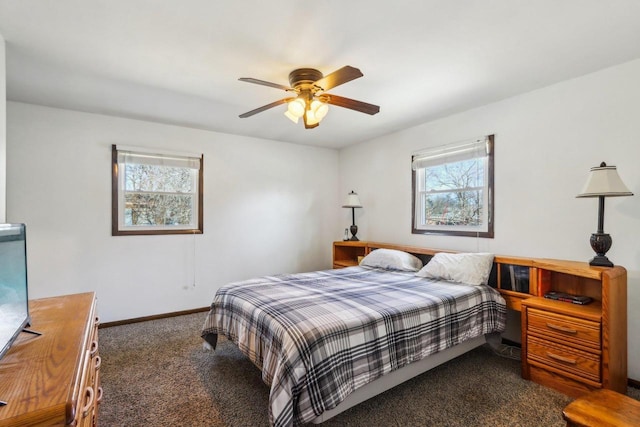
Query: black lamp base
<point x="600" y="261"/>
<point x="600" y="243"/>
<point x="354" y="231"/>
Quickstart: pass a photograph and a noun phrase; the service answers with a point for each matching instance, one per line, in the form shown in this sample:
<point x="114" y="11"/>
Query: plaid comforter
<point x="319" y="336"/>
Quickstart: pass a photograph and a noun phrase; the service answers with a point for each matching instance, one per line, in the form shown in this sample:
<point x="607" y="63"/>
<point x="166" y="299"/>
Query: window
<point x="453" y="189"/>
<point x="154" y="193"/>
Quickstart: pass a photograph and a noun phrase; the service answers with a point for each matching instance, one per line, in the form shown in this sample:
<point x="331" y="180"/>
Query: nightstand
<point x="563" y="343"/>
<point x="576" y="348"/>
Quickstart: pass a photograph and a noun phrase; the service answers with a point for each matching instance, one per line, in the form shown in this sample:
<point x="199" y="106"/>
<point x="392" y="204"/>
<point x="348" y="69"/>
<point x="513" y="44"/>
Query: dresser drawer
<point x="568" y="359"/>
<point x="564" y="329"/>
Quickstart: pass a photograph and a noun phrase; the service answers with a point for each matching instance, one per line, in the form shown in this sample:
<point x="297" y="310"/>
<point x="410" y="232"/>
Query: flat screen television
<point x="14" y="299"/>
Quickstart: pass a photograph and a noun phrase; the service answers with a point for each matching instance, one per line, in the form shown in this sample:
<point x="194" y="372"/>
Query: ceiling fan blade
<point x="338" y="77"/>
<point x="352" y="104"/>
<point x="265" y="107"/>
<point x="265" y="83"/>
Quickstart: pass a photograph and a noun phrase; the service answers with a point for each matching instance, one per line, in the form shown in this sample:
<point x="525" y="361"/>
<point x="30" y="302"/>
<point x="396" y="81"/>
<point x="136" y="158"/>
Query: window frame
<point x="115" y="199"/>
<point x="488" y="231"/>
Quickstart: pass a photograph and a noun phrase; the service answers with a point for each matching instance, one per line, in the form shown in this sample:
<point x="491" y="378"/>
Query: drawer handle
<point x="89" y="399"/>
<point x="94" y="348"/>
<point x="98" y="362"/>
<point x="99" y="399"/>
<point x="562" y="359"/>
<point x="561" y="328"/>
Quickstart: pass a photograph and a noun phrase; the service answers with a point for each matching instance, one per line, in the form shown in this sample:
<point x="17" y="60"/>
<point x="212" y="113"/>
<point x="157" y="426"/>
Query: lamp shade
<point x="352" y="201"/>
<point x="604" y="181"/>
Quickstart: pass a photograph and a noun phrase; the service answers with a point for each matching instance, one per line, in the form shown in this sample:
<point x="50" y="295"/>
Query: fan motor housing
<point x="304" y="76"/>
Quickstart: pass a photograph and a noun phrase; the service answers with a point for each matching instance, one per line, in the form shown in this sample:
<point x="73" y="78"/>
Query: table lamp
<point x="603" y="181"/>
<point x="353" y="202"/>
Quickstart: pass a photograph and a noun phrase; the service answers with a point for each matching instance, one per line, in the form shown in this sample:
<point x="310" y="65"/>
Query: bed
<point x="327" y="340"/>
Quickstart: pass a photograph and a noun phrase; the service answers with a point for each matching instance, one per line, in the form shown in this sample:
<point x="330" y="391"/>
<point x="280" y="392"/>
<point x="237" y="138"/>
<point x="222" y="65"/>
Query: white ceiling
<point x="178" y="61"/>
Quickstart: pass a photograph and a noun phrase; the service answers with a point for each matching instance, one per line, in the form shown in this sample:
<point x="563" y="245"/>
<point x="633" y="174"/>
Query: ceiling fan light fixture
<point x="296" y="108"/>
<point x="311" y="118"/>
<point x="320" y="109"/>
<point x="291" y="117"/>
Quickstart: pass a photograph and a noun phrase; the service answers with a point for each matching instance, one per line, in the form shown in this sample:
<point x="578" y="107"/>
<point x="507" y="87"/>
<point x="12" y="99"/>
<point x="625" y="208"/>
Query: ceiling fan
<point x="311" y="100"/>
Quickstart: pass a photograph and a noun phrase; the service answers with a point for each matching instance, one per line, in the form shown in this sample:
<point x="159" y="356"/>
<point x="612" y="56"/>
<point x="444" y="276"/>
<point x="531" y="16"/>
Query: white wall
<point x="269" y="207"/>
<point x="545" y="143"/>
<point x="3" y="133"/>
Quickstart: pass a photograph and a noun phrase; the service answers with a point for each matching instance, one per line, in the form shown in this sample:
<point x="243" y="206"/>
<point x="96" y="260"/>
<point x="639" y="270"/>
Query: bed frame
<point x="399" y="376"/>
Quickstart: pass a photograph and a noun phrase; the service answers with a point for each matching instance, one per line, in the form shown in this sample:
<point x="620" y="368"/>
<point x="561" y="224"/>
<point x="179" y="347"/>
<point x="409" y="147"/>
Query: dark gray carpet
<point x="157" y="374"/>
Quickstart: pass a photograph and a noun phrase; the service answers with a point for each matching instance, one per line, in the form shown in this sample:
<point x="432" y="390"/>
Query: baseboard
<point x="154" y="317"/>
<point x="633" y="383"/>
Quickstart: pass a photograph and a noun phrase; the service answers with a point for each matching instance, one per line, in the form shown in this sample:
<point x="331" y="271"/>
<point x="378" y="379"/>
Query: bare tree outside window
<point x="157" y="195"/>
<point x="453" y="190"/>
<point x="454" y="193"/>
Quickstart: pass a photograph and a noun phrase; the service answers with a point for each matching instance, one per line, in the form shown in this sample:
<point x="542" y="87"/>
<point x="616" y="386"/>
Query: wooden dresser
<point x="54" y="379"/>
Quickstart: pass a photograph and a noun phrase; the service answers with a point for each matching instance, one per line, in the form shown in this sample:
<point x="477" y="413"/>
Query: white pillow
<point x="468" y="268"/>
<point x="392" y="259"/>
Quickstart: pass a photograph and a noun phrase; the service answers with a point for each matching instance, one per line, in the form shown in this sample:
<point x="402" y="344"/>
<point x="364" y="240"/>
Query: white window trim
<point x="451" y="153"/>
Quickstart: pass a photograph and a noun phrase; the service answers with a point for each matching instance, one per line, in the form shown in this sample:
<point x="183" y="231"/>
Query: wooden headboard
<point x="517" y="278"/>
